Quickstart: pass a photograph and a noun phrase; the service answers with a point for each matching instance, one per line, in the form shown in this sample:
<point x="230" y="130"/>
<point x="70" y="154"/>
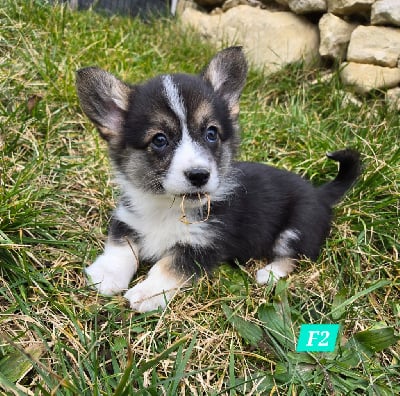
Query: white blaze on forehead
<point x="175" y="100"/>
<point x="188" y="154"/>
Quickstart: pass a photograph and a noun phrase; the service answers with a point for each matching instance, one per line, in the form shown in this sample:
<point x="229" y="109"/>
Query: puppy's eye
<point x="211" y="134"/>
<point x="159" y="141"/>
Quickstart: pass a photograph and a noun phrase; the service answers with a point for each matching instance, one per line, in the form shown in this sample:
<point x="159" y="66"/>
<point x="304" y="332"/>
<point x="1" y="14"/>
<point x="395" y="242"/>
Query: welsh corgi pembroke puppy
<point x="186" y="204"/>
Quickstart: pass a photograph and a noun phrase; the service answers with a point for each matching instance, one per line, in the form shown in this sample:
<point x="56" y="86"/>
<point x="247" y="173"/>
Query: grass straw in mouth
<point x="184" y="218"/>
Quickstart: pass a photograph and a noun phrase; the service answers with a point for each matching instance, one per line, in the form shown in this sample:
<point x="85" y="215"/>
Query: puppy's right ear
<point x="104" y="99"/>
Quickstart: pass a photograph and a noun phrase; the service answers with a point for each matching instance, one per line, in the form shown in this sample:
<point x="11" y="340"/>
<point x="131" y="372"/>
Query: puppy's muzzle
<point x="197" y="177"/>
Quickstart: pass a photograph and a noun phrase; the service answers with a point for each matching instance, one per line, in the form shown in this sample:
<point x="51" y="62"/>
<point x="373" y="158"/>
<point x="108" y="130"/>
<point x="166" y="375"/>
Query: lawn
<point x="225" y="335"/>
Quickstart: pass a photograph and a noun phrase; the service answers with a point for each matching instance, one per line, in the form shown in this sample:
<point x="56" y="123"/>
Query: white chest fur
<point x="158" y="222"/>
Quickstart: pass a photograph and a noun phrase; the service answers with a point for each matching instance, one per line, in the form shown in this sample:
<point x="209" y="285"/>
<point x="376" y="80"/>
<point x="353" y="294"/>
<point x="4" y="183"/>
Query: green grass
<point x="226" y="335"/>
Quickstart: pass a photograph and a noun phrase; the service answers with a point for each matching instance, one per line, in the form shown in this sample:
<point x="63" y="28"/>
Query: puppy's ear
<point x="227" y="73"/>
<point x="104" y="99"/>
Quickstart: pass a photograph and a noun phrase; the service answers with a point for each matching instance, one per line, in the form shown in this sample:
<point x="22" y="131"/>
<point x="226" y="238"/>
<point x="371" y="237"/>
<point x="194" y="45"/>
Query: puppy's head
<point x="175" y="134"/>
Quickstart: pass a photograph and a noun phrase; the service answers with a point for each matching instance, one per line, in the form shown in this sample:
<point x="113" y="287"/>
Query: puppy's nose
<point x="198" y="176"/>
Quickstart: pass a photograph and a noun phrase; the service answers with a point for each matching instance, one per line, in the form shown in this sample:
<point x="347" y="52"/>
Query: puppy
<point x="185" y="204"/>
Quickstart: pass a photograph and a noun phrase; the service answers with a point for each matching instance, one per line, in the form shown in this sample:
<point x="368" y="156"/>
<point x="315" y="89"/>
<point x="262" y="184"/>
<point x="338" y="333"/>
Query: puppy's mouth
<point x="197" y="196"/>
<point x="193" y="200"/>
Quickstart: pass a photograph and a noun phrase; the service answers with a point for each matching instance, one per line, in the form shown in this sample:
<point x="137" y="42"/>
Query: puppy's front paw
<point x="144" y="297"/>
<point x="157" y="289"/>
<point x="112" y="271"/>
<point x="103" y="277"/>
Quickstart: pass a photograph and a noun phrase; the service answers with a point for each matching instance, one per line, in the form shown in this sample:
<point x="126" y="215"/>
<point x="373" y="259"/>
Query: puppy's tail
<point x="349" y="170"/>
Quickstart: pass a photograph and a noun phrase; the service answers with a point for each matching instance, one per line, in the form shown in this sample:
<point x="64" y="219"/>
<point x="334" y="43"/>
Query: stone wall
<point x="361" y="37"/>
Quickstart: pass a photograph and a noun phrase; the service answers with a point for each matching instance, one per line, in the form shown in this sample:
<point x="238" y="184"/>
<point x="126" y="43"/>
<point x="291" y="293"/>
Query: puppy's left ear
<point x="227" y="73"/>
<point x="104" y="99"/>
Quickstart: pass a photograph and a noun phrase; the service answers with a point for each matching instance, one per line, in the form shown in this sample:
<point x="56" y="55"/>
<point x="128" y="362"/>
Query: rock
<point x="183" y="4"/>
<point x="375" y="44"/>
<point x="386" y="12"/>
<point x="365" y="78"/>
<point x="233" y="3"/>
<point x="216" y="11"/>
<point x="270" y="39"/>
<point x="271" y="5"/>
<point x="307" y="6"/>
<point x="348" y="7"/>
<point x="349" y="98"/>
<point x="335" y="36"/>
<point x="206" y="25"/>
<point x="393" y="98"/>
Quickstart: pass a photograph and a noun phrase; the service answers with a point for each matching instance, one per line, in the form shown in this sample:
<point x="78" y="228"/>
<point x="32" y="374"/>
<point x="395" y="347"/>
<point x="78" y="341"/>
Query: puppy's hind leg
<point x="279" y="268"/>
<point x="283" y="263"/>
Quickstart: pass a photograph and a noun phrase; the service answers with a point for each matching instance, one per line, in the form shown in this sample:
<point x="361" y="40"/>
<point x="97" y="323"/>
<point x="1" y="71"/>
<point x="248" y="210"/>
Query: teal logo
<point x="317" y="338"/>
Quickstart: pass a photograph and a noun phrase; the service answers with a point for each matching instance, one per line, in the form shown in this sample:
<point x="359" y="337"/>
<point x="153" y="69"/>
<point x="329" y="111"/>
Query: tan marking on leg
<point x="161" y="284"/>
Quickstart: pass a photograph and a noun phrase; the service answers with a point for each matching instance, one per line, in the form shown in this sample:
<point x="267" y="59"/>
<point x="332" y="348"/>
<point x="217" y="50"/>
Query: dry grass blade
<point x="184" y="218"/>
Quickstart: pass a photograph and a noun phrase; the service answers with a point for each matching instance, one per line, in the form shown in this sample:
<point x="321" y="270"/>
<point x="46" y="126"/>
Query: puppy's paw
<point x="271" y="273"/>
<point x="112" y="271"/>
<point x="103" y="277"/>
<point x="143" y="297"/>
<point x="157" y="289"/>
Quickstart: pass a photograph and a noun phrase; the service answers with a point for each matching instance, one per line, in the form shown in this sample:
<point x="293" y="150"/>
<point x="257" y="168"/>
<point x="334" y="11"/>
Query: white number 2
<point x="324" y="342"/>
